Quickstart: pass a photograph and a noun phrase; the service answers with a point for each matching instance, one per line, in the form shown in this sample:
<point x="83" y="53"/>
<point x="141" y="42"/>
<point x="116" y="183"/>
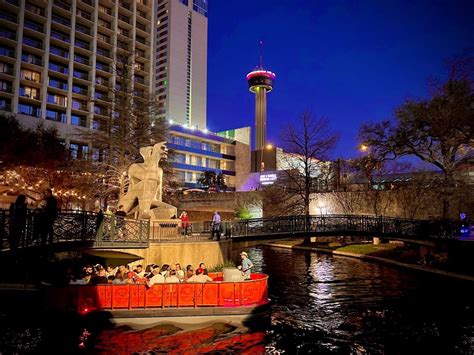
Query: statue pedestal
<point x="163" y="211"/>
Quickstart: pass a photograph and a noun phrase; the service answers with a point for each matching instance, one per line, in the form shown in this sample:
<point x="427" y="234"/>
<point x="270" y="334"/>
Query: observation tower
<point x="260" y="83"/>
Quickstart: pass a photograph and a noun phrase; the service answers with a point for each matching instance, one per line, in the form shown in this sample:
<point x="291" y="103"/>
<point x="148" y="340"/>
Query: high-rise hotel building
<point x="180" y="78"/>
<point x="57" y="57"/>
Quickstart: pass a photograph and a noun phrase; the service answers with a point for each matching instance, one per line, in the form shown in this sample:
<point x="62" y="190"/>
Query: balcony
<point x="58" y="68"/>
<point x="6" y="69"/>
<point x="34" y="26"/>
<point x="7" y="16"/>
<point x="6" y="87"/>
<point x="34" y="9"/>
<point x="82" y="45"/>
<point x="57" y="84"/>
<point x="56" y="116"/>
<point x="78" y="120"/>
<point x="7" y="52"/>
<point x="29" y="110"/>
<point x="103" y="52"/>
<point x="81" y="60"/>
<point x="139" y="80"/>
<point x="60" y="36"/>
<point x="103" y="67"/>
<point x="84" y="15"/>
<point x="29" y="93"/>
<point x="105" y="10"/>
<point x="141" y="40"/>
<point x="81" y="75"/>
<point x="82" y="29"/>
<point x="79" y="90"/>
<point x="101" y="96"/>
<point x="13" y="2"/>
<point x="60" y="20"/>
<point x="57" y="100"/>
<point x="98" y="110"/>
<point x="59" y="52"/>
<point x="31" y="59"/>
<point x="5" y="105"/>
<point x="7" y="34"/>
<point x="101" y="81"/>
<point x="32" y="43"/>
<point x="79" y="105"/>
<point x="141" y="26"/>
<point x="62" y="5"/>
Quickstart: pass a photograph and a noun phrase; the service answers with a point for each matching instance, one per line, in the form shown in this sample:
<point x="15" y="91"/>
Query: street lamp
<point x="364" y="147"/>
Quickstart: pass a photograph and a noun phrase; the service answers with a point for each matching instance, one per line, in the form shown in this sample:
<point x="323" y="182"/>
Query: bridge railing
<point x="340" y="224"/>
<point x="83" y="227"/>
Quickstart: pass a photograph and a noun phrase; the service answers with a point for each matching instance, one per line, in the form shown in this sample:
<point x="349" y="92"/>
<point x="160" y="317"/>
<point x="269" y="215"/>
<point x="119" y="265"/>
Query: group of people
<point x="216" y="229"/>
<point x="150" y="275"/>
<point x="43" y="221"/>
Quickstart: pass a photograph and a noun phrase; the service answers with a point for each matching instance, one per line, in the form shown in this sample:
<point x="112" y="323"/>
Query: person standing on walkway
<point x="49" y="215"/>
<point x="216" y="226"/>
<point x="18" y="212"/>
<point x="184" y="223"/>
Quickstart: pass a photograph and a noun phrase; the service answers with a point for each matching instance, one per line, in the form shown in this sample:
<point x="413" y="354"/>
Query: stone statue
<point x="144" y="194"/>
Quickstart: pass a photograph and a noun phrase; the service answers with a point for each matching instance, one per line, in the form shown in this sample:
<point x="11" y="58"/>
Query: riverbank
<point x="391" y="254"/>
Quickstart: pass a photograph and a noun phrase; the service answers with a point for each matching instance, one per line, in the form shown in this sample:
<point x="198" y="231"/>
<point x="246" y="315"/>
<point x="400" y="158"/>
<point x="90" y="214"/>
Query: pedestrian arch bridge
<point x="80" y="229"/>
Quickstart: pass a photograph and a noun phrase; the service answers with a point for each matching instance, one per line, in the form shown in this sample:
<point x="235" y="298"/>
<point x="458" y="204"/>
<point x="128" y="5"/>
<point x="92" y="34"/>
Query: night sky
<point x="349" y="61"/>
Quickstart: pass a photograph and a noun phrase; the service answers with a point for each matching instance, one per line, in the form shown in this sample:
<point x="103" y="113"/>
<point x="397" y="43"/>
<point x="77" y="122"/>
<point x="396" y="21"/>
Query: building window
<point x="57" y="116"/>
<point x="5" y="86"/>
<point x="30" y="75"/>
<point x="29" y="92"/>
<point x="200" y="6"/>
<point x="29" y="110"/>
<point x="78" y="120"/>
<point x="57" y="99"/>
<point x="57" y="83"/>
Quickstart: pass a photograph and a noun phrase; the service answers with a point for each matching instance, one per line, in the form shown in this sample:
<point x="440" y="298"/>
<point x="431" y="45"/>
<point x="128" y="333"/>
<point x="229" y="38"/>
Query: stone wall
<point x="211" y="253"/>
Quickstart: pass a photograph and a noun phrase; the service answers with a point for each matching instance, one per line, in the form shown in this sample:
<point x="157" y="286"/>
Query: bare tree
<point x="439" y="131"/>
<point x="132" y="123"/>
<point x="307" y="143"/>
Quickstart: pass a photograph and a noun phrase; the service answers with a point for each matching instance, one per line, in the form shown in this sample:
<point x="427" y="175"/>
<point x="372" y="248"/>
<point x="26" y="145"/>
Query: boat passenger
<point x="179" y="272"/>
<point x="100" y="277"/>
<point x="164" y="269"/>
<point x="199" y="277"/>
<point x="157" y="276"/>
<point x="139" y="271"/>
<point x="189" y="272"/>
<point x="171" y="277"/>
<point x="246" y="265"/>
<point x="111" y="270"/>
<point x="119" y="279"/>
<point x="203" y="269"/>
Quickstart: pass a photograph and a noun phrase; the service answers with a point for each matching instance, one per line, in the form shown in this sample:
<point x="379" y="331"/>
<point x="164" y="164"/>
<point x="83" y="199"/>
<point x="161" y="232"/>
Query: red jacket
<point x="184" y="221"/>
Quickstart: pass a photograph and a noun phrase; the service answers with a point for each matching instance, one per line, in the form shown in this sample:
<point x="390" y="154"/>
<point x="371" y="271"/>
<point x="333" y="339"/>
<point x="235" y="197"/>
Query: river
<point x="320" y="304"/>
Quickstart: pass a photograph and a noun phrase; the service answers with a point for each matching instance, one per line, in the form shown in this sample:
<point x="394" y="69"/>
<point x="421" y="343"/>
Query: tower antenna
<point x="261" y="54"/>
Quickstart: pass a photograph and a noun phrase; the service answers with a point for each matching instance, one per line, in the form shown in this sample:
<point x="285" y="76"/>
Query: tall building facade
<point x="57" y="58"/>
<point x="180" y="78"/>
<point x="196" y="151"/>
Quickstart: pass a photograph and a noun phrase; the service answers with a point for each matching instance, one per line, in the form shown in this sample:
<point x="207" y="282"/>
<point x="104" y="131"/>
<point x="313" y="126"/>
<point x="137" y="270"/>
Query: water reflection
<point x="332" y="304"/>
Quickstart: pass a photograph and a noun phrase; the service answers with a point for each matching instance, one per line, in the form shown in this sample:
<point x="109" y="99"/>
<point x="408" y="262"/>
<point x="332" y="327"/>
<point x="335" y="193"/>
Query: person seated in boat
<point x="179" y="272"/>
<point x="189" y="272"/>
<point x="100" y="277"/>
<point x="119" y="279"/>
<point x="199" y="277"/>
<point x="203" y="269"/>
<point x="139" y="271"/>
<point x="171" y="277"/>
<point x="164" y="269"/>
<point x="148" y="271"/>
<point x="157" y="277"/>
<point x="111" y="270"/>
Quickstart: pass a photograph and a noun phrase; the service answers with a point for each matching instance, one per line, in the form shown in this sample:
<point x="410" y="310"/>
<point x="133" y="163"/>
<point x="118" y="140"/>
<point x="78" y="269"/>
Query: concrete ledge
<point x="376" y="259"/>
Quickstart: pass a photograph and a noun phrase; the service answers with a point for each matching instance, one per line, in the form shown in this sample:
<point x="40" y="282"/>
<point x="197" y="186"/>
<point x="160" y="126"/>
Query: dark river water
<point x="320" y="304"/>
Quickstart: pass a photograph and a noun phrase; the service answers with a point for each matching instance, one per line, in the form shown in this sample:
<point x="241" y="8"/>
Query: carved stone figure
<point x="144" y="192"/>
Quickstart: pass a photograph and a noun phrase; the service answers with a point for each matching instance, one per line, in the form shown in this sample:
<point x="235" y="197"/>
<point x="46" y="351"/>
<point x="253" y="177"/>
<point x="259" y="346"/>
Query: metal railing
<point x="345" y="225"/>
<point x="82" y="227"/>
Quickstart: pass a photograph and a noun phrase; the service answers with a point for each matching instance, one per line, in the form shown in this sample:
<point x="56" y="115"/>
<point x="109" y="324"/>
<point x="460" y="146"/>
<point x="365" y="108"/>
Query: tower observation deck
<point x="260" y="83"/>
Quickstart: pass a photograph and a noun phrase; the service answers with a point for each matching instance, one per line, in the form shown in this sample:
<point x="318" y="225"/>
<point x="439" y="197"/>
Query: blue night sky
<point x="349" y="61"/>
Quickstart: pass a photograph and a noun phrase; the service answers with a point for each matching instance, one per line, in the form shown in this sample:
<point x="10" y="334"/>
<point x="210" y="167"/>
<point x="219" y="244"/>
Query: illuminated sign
<point x="268" y="179"/>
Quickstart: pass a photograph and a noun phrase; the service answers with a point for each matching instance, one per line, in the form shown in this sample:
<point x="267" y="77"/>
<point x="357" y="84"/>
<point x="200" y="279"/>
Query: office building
<point x="57" y="58"/>
<point x="180" y="79"/>
<point x="196" y="151"/>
